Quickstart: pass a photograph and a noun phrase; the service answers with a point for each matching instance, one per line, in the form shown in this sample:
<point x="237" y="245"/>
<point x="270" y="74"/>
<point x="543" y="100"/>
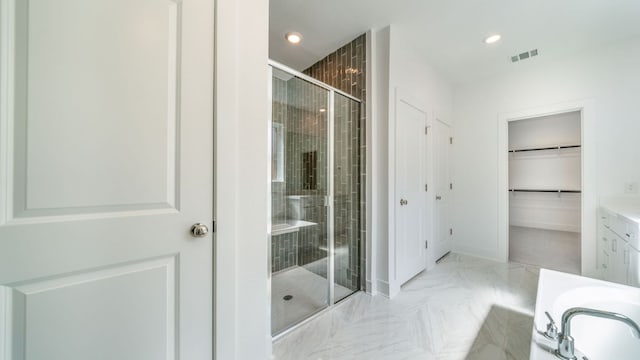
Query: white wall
<point x="606" y="77"/>
<point x="241" y="208"/>
<point x="410" y="72"/>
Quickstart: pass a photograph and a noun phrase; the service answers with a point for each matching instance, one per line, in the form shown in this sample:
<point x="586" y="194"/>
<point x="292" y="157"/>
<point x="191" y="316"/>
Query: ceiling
<point x="450" y="33"/>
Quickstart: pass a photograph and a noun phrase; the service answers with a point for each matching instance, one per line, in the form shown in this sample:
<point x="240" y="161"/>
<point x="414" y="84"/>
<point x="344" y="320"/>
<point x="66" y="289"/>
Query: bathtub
<point x="595" y="338"/>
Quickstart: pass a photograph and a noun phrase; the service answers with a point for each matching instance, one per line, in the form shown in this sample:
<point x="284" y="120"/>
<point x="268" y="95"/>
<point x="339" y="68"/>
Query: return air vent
<point x="525" y="55"/>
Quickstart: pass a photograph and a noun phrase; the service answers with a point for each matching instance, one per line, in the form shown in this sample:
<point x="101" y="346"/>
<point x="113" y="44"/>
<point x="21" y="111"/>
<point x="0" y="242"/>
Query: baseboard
<point x="369" y="287"/>
<point x="382" y="288"/>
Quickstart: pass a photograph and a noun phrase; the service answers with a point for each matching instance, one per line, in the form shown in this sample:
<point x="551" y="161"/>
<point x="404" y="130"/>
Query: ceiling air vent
<point x="525" y="55"/>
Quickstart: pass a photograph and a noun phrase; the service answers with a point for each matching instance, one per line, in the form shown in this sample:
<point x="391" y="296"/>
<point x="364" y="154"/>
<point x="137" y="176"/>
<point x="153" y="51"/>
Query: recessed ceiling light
<point x="293" y="37"/>
<point x="492" y="39"/>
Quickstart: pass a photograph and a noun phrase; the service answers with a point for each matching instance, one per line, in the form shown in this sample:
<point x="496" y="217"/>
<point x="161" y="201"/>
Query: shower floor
<point x="309" y="294"/>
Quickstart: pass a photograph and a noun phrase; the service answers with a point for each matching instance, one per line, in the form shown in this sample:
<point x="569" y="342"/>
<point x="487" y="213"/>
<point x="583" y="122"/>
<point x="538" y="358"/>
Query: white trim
<point x="269" y="200"/>
<point x="383" y="288"/>
<point x="392" y="287"/>
<point x="370" y="254"/>
<point x="310" y="79"/>
<point x="445" y="122"/>
<point x="5" y="323"/>
<point x="369" y="288"/>
<point x="7" y="113"/>
<point x="589" y="178"/>
<point x="330" y="196"/>
<point x="241" y="297"/>
<point x="429" y="177"/>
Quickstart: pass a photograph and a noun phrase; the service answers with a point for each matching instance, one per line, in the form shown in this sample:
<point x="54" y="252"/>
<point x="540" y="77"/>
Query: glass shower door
<point x="347" y="194"/>
<point x="299" y="192"/>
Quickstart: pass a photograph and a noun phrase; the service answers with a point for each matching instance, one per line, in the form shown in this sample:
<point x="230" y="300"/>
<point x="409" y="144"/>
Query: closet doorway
<point x="545" y="191"/>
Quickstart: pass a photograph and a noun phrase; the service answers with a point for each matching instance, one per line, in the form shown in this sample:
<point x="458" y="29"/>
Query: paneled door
<point x="410" y="197"/>
<point x="106" y="162"/>
<point x="443" y="186"/>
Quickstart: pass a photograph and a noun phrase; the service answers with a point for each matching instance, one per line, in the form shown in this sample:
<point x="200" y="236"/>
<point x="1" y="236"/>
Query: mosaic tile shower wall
<point x="284" y="251"/>
<point x="344" y="69"/>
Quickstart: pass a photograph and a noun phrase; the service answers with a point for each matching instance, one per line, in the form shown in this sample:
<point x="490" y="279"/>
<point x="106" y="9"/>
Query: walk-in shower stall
<point x="315" y="197"/>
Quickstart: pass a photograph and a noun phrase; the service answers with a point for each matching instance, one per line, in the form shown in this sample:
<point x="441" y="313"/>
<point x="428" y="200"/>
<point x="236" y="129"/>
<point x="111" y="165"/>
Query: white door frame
<point x="241" y="297"/>
<point x="588" y="178"/>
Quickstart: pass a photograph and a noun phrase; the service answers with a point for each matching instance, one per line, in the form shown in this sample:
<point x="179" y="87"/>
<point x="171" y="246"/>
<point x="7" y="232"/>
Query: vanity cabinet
<point x="634" y="267"/>
<point x="617" y="261"/>
<point x="618" y="244"/>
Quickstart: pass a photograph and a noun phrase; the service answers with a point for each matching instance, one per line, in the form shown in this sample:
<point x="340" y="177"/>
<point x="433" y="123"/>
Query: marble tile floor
<point x="549" y="249"/>
<point x="464" y="308"/>
<point x="309" y="294"/>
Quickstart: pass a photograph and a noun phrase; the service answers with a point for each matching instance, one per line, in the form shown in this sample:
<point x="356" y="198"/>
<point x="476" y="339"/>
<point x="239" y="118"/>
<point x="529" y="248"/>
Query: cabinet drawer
<point x="604" y="243"/>
<point x="618" y="224"/>
<point x="631" y="235"/>
<point x="625" y="228"/>
<point x="604" y="265"/>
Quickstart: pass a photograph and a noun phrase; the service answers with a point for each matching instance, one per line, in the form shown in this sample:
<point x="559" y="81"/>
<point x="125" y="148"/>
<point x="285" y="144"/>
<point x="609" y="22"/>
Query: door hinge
<point x="450" y="231"/>
<point x="426" y="130"/>
<point x="426" y="244"/>
<point x="450" y="186"/>
<point x="451" y="140"/>
<point x="213" y="226"/>
<point x="426" y="187"/>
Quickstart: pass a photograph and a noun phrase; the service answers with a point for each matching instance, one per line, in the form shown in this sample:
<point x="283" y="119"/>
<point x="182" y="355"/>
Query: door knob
<point x="438" y="197"/>
<point x="199" y="230"/>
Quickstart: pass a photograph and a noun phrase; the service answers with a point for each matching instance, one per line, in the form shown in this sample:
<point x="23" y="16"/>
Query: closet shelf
<point x="555" y="147"/>
<point x="547" y="191"/>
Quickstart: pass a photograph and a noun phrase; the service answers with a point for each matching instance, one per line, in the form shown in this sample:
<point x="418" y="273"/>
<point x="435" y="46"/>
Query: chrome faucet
<point x="566" y="348"/>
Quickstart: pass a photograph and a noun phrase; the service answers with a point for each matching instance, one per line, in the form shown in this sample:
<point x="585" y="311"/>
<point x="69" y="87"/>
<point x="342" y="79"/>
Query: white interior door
<point x="442" y="139"/>
<point x="105" y="163"/>
<point x="410" y="159"/>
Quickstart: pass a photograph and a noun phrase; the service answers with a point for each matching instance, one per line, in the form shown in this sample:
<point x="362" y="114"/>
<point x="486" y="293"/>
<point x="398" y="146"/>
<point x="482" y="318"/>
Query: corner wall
<point x="241" y="315"/>
<point x="607" y="78"/>
<point x="397" y="65"/>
